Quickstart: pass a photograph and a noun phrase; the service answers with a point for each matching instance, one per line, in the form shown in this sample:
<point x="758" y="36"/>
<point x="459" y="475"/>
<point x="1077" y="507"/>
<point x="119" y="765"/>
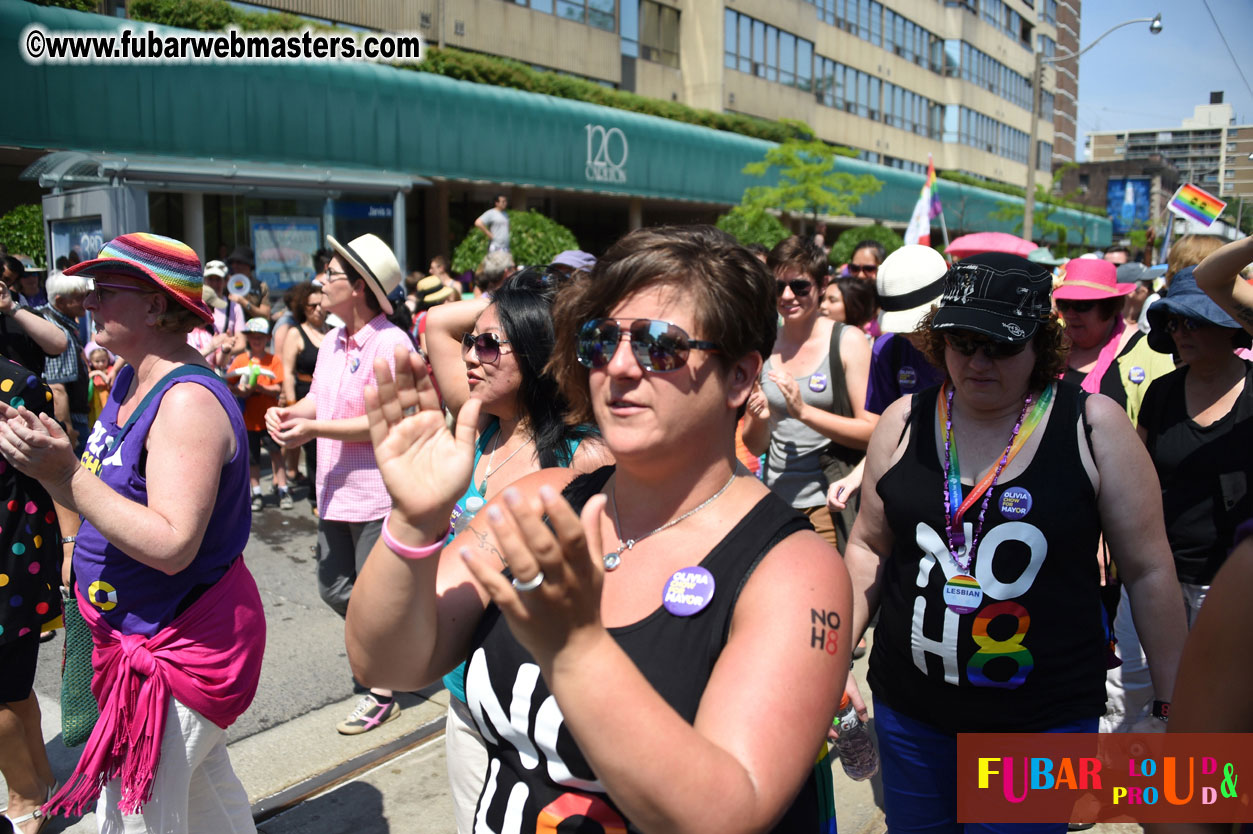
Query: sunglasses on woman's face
<point x="1064" y="306"/>
<point x="968" y="346"/>
<point x="1175" y="323"/>
<point x="799" y="287"/>
<point x="868" y="270"/>
<point x="658" y="346"/>
<point x="486" y="346"/>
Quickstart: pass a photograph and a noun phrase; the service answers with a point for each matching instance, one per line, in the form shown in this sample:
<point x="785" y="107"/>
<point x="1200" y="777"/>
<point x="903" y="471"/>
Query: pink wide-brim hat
<point x="1090" y="279"/>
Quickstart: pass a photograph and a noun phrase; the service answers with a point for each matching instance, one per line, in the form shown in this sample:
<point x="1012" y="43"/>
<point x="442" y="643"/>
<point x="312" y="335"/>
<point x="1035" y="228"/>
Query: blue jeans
<point x="919" y="789"/>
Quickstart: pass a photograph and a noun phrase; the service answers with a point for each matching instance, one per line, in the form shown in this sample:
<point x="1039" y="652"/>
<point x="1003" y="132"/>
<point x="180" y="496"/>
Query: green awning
<point x="369" y="116"/>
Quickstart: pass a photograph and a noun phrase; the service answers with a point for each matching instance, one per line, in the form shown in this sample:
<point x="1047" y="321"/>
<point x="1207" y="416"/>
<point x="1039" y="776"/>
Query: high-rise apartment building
<point x="894" y="79"/>
<point x="1209" y="149"/>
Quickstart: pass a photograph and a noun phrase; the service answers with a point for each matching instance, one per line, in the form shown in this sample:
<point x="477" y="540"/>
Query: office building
<point x="1209" y="149"/>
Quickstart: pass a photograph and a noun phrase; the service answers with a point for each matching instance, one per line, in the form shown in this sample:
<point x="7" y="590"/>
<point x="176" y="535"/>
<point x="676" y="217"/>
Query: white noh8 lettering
<point x="935" y="551"/>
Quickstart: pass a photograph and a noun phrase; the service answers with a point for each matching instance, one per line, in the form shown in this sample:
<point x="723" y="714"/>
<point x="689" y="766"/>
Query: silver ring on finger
<point x="410" y="411"/>
<point x="530" y="584"/>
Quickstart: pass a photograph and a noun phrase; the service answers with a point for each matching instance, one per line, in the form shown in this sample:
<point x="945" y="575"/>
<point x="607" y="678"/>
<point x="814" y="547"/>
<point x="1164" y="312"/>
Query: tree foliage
<point x="1050" y="232"/>
<point x="808" y="182"/>
<point x="76" y="5"/>
<point x="22" y="232"/>
<point x="533" y="240"/>
<point x="753" y="225"/>
<point x="214" y="15"/>
<point x="843" y="248"/>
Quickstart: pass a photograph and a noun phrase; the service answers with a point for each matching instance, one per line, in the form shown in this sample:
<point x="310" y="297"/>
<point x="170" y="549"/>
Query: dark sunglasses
<point x="658" y="346"/>
<point x="799" y="287"/>
<point x="1175" y="323"/>
<point x="870" y="269"/>
<point x="486" y="346"/>
<point x="1064" y="306"/>
<point x="967" y="346"/>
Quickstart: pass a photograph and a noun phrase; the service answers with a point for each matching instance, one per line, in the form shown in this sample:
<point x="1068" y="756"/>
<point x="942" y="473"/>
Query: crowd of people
<point x="512" y="500"/>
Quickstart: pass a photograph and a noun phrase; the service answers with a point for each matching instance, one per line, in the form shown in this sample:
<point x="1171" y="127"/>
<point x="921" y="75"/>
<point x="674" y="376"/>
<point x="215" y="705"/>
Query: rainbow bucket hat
<point x="170" y="264"/>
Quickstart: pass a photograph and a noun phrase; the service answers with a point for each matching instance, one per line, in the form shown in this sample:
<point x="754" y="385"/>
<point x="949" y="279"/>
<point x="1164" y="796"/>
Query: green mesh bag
<point x="79" y="710"/>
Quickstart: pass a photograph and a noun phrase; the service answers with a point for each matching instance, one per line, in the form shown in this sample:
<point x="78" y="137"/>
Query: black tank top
<point x="535" y="769"/>
<point x="1032" y="655"/>
<point x="1204" y="472"/>
<point x="306" y="361"/>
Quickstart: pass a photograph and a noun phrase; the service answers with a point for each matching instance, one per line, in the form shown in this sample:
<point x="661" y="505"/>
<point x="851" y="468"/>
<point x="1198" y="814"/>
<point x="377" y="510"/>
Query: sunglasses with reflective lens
<point x="486" y="346"/>
<point x="101" y="289"/>
<point x="658" y="346"/>
<point x="1175" y="323"/>
<point x="1064" y="306"/>
<point x="968" y="346"/>
<point x="799" y="287"/>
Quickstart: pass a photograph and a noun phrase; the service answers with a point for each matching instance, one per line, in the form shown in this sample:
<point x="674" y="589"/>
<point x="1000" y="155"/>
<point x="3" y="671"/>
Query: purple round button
<point x="688" y="591"/>
<point x="818" y="383"/>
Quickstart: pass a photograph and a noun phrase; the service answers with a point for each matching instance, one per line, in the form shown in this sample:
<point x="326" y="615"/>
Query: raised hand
<point x="36" y="445"/>
<point x="791" y="392"/>
<point x="425" y="467"/>
<point x="562" y="611"/>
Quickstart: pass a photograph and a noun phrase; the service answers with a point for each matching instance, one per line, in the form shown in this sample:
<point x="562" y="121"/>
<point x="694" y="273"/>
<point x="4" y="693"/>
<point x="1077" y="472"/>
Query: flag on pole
<point x="927" y="207"/>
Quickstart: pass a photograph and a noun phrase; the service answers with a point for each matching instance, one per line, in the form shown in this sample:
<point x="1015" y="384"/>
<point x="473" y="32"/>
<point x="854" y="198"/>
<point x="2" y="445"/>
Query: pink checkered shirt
<point x="350" y="487"/>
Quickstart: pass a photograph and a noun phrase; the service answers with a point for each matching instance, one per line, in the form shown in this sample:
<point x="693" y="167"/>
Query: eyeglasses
<point x="332" y="277"/>
<point x="870" y="270"/>
<point x="799" y="287"/>
<point x="486" y="346"/>
<point x="94" y="287"/>
<point x="659" y="346"/>
<point x="967" y="346"/>
<point x="1064" y="306"/>
<point x="1175" y="323"/>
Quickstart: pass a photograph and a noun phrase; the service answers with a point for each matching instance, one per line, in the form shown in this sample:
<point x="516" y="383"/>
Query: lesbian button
<point x="962" y="594"/>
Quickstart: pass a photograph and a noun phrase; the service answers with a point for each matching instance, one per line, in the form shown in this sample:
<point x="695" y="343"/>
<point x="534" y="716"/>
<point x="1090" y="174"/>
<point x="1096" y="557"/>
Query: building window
<point x="659" y="33"/>
<point x="765" y="51"/>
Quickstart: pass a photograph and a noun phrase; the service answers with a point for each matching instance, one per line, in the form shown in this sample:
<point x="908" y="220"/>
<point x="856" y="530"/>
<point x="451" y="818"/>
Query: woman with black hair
<point x="495" y="352"/>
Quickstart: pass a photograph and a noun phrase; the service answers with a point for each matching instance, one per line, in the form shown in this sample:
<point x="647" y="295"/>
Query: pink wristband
<point x="406" y="552"/>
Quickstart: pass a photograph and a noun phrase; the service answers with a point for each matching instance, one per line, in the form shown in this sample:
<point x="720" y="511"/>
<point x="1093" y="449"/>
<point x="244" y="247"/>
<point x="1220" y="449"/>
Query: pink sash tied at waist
<point x="208" y="658"/>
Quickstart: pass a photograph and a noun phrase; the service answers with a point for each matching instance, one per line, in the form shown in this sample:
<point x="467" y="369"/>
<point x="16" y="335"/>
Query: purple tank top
<point x="134" y="598"/>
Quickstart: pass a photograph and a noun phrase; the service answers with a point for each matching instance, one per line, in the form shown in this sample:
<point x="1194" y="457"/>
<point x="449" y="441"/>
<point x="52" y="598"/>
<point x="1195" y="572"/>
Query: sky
<point x="1134" y="80"/>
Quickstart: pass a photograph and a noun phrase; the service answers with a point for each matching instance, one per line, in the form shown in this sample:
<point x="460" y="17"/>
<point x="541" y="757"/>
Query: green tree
<point x="76" y="5"/>
<point x="22" y="232"/>
<point x="533" y="239"/>
<point x="842" y="250"/>
<point x="808" y="182"/>
<point x="753" y="225"/>
<point x="1048" y="230"/>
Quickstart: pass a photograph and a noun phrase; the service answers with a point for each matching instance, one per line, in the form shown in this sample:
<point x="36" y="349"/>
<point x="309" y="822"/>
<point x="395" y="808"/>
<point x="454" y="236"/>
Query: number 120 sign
<point x="606" y="154"/>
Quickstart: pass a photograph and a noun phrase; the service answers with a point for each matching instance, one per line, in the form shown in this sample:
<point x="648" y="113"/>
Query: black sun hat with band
<point x="1001" y="296"/>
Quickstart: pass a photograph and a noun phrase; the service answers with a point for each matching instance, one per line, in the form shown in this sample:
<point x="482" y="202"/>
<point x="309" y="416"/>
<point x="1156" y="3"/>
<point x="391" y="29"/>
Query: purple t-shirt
<point x="897" y="368"/>
<point x="135" y="598"/>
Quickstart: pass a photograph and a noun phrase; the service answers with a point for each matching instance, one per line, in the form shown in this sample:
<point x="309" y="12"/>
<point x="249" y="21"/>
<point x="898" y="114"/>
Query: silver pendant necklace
<point x="614" y="559"/>
<point x="492" y="457"/>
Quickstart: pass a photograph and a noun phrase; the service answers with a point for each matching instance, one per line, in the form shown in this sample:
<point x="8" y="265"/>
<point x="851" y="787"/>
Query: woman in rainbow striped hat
<point x="162" y="489"/>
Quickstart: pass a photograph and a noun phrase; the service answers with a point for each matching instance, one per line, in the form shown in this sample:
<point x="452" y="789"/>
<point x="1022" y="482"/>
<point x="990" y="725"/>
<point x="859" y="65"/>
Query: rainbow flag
<point x="1195" y="204"/>
<point x="927" y="208"/>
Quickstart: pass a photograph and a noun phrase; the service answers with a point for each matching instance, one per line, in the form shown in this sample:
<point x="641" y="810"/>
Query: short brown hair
<point x="733" y="294"/>
<point x="1190" y="250"/>
<point x="299" y="298"/>
<point x="1049" y="340"/>
<point x="178" y="319"/>
<point x="802" y="254"/>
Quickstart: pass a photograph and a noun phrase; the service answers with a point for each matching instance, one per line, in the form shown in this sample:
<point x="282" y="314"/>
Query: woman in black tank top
<point x="983" y="502"/>
<point x="672" y="660"/>
<point x="299" y="353"/>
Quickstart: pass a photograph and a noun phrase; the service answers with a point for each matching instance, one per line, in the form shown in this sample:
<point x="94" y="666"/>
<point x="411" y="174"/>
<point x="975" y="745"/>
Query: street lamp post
<point x="1037" y="79"/>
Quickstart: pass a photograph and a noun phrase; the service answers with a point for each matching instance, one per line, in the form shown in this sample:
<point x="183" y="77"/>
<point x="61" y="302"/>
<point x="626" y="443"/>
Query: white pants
<point x="1129" y="688"/>
<point x="465" y="753"/>
<point x="195" y="788"/>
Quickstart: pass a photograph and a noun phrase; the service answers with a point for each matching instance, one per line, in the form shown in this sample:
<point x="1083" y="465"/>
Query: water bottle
<point x="857" y="754"/>
<point x="462" y="520"/>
